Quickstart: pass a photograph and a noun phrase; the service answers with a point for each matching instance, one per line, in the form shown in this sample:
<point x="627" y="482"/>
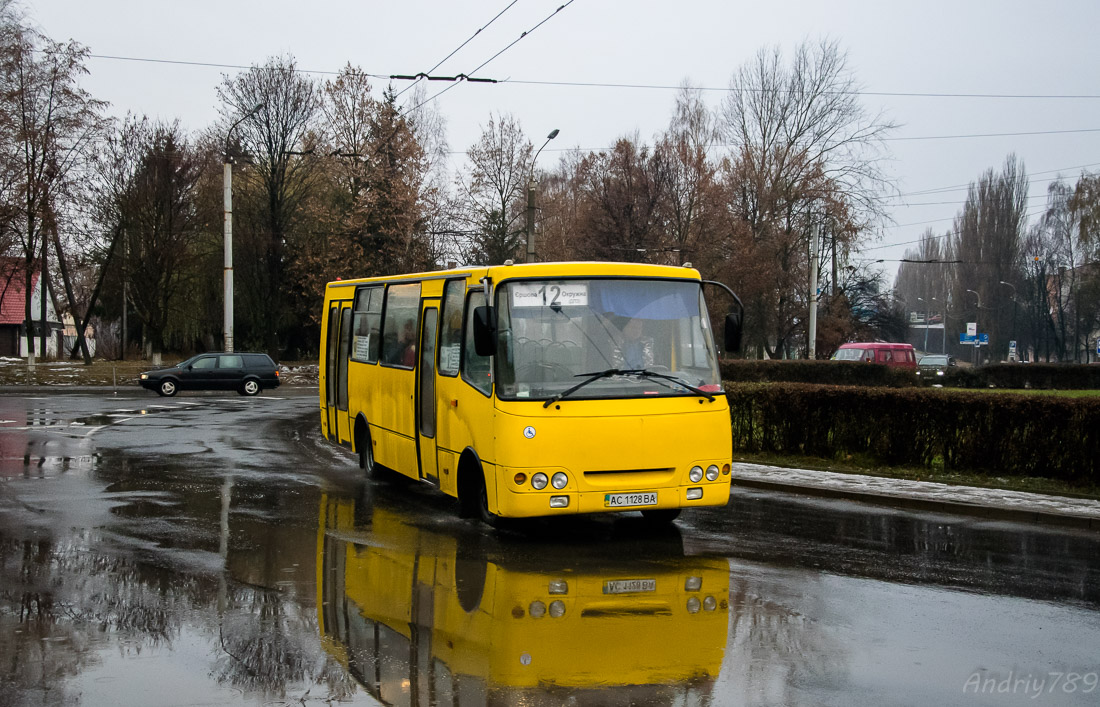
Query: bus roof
<point x="553" y="269"/>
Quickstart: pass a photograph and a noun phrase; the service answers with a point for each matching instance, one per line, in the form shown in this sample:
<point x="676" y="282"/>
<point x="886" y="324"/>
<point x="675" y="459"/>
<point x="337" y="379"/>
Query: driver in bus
<point x="634" y="351"/>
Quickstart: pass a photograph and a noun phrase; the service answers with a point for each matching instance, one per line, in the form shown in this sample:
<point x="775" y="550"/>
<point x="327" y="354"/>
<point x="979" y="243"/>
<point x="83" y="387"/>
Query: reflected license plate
<point x="629" y="586"/>
<point x="627" y="500"/>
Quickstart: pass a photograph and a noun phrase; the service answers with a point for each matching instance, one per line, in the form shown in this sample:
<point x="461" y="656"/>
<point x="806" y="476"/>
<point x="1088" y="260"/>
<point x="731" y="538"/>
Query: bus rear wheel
<point x="661" y="516"/>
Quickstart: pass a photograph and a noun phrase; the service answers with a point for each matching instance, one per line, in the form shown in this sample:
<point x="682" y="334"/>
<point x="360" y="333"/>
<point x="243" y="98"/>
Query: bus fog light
<point x="559" y="481"/>
<point x="712" y="473"/>
<point x="559" y="501"/>
<point x="558" y="586"/>
<point x="696" y="474"/>
<point x="710" y="604"/>
<point x="537" y="609"/>
<point x="557" y="609"/>
<point x="692" y="606"/>
<point x="694" y="494"/>
<point x="539" y="481"/>
<point x="693" y="584"/>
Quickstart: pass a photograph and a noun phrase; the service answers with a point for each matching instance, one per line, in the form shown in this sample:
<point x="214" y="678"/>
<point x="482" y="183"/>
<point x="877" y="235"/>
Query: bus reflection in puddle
<point x="423" y="617"/>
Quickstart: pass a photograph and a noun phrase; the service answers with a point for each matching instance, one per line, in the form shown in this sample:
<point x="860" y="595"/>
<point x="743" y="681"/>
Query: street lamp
<point x="976" y="344"/>
<point x="921" y="299"/>
<point x="531" y="199"/>
<point x="227" y="199"/>
<point x="1009" y="284"/>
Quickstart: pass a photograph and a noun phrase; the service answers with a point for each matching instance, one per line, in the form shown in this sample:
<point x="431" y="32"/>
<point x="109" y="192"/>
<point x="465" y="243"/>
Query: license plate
<point x="627" y="500"/>
<point x="629" y="586"/>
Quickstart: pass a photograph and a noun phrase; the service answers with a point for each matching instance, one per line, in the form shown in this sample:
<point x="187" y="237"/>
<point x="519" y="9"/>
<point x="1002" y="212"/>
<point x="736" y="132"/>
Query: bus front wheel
<point x="487" y="517"/>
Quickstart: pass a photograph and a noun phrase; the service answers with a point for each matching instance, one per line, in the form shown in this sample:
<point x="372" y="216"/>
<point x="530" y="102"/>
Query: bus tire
<point x="471" y="482"/>
<point x="661" y="516"/>
<point x="487" y="517"/>
<point x="365" y="448"/>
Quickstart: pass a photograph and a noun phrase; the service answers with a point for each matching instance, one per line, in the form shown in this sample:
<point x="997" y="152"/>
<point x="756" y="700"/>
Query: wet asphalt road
<point x="208" y="550"/>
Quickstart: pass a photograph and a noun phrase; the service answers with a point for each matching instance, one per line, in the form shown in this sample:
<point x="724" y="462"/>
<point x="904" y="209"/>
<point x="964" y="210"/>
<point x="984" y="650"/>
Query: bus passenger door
<point x="425" y="396"/>
<point x="336" y="371"/>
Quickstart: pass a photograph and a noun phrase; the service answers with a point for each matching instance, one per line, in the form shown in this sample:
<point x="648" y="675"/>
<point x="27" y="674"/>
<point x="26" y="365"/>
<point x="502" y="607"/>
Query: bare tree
<point x="623" y="190"/>
<point x="500" y="167"/>
<point x="988" y="239"/>
<point x="275" y="136"/>
<point x="52" y="122"/>
<point x="690" y="177"/>
<point x="804" y="151"/>
<point x="924" y="283"/>
<point x="156" y="217"/>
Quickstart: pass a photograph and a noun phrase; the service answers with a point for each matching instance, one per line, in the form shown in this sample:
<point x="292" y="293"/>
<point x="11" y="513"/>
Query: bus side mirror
<point x="733" y="332"/>
<point x="485" y="331"/>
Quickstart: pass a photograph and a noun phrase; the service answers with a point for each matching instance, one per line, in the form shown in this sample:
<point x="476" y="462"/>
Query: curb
<point x="924" y="504"/>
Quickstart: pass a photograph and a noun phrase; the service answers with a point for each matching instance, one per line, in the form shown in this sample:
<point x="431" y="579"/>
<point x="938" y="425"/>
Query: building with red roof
<point x="13" y="302"/>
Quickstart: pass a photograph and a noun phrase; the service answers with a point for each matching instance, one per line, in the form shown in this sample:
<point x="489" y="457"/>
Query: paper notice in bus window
<point x="449" y="357"/>
<point x="550" y="294"/>
<point x="362" y="348"/>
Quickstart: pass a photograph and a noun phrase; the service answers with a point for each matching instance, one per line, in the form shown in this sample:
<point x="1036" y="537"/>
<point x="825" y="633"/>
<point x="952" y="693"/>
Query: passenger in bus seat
<point x="407" y="346"/>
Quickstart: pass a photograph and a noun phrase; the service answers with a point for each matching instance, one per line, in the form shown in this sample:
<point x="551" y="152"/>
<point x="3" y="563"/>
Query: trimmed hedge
<point x="1044" y="376"/>
<point x="825" y="372"/>
<point x="1002" y="435"/>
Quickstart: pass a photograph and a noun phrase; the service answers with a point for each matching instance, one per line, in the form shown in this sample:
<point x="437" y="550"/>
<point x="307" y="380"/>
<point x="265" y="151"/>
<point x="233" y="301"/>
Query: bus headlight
<point x="710" y="604"/>
<point x="539" y="481"/>
<point x="712" y="473"/>
<point x="559" y="481"/>
<point x="537" y="609"/>
<point x="692" y="606"/>
<point x="557" y="609"/>
<point x="696" y="474"/>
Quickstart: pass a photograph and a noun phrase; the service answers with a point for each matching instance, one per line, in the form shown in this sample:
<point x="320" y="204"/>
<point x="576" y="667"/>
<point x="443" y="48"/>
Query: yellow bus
<point x="426" y="616"/>
<point x="534" y="390"/>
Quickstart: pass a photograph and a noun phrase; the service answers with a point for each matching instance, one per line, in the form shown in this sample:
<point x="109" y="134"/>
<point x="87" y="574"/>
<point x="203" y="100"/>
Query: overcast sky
<point x="930" y="47"/>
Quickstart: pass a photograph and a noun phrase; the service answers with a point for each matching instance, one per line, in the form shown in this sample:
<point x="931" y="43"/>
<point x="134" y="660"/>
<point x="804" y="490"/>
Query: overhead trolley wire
<point x="459" y="48"/>
<point x="487" y="61"/>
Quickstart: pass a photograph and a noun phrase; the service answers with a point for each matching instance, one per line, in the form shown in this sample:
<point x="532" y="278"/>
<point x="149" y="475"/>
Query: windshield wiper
<point x="640" y="372"/>
<point x="653" y="374"/>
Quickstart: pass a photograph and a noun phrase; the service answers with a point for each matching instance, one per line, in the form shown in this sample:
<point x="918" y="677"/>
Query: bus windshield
<point x="554" y="334"/>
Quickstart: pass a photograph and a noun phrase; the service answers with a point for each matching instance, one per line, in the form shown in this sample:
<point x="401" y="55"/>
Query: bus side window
<point x="450" y="333"/>
<point x="399" y="329"/>
<point x="476" y="370"/>
<point x="366" y="322"/>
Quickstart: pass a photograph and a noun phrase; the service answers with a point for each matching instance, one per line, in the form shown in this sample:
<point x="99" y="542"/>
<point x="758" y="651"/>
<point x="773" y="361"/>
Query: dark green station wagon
<point x="246" y="373"/>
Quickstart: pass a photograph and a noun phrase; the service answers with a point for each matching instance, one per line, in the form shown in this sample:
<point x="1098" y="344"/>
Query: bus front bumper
<point x="527" y="504"/>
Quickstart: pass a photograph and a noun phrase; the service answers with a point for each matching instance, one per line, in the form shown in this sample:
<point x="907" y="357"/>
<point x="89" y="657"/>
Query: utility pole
<point x="812" y="344"/>
<point x="227" y="199"/>
<point x="531" y="184"/>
